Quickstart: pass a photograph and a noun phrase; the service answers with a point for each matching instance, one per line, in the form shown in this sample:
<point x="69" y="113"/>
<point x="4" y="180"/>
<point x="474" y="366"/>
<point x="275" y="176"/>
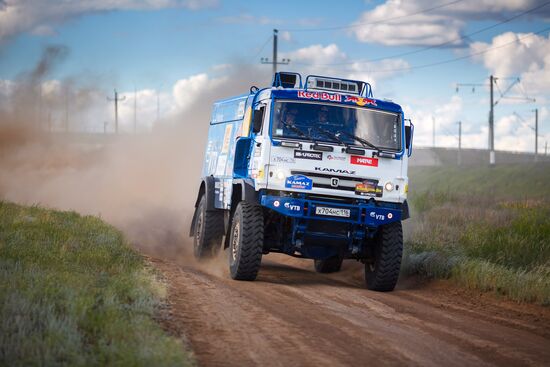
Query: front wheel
<point x="246" y="241"/>
<point x="382" y="272"/>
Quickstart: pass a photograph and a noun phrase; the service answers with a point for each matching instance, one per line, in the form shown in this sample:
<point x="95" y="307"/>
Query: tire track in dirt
<point x="293" y="316"/>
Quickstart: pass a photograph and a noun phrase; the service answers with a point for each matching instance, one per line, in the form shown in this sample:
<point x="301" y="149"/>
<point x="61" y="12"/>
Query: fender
<point x="248" y="193"/>
<point x="243" y="190"/>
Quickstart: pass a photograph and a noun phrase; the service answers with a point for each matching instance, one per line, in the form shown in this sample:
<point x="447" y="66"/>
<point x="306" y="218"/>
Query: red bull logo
<point x="322" y="96"/>
<point x="360" y="101"/>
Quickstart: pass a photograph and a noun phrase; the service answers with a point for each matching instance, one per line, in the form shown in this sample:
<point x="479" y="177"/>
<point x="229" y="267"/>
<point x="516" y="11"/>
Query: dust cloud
<point x="144" y="184"/>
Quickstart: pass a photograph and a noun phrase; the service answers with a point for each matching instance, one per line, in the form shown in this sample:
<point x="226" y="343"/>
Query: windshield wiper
<point x="365" y="143"/>
<point x="332" y="136"/>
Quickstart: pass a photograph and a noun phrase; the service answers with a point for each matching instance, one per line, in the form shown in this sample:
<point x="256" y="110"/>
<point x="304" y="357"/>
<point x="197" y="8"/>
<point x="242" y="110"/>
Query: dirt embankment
<point x="292" y="316"/>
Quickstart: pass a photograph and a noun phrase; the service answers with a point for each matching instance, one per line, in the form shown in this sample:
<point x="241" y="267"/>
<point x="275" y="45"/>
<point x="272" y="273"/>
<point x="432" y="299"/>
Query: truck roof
<point x="287" y="85"/>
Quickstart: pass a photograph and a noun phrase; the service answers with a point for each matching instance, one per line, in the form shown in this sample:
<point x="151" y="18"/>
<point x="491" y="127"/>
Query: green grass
<point x="73" y="293"/>
<point x="485" y="228"/>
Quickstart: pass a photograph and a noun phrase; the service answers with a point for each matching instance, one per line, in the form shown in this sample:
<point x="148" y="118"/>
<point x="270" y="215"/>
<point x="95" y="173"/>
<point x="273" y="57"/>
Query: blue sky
<point x="153" y="45"/>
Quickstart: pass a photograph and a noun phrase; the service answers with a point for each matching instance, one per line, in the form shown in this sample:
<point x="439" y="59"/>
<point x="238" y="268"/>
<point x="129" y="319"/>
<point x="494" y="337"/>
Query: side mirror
<point x="409" y="131"/>
<point x="258" y="119"/>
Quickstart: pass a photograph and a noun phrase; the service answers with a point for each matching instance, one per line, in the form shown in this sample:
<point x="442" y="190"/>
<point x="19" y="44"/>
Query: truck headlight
<point x="279" y="175"/>
<point x="388" y="186"/>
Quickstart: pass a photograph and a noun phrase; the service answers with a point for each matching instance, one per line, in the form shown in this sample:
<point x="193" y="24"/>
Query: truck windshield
<point x="336" y="124"/>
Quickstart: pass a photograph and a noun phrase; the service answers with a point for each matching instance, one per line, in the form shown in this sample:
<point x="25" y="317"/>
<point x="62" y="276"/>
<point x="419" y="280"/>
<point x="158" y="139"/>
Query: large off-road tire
<point x="330" y="265"/>
<point x="382" y="273"/>
<point x="246" y="241"/>
<point x="207" y="237"/>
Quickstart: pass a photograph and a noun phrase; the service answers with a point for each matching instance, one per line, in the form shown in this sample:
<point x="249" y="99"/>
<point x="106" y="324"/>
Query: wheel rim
<point x="235" y="241"/>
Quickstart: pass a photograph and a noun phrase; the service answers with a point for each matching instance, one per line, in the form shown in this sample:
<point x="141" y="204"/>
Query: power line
<point x="375" y="22"/>
<point x="440" y="44"/>
<point x="444" y="61"/>
<point x="261" y="48"/>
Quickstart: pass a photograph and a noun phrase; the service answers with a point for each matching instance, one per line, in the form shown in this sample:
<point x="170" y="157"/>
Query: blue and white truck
<point x="314" y="169"/>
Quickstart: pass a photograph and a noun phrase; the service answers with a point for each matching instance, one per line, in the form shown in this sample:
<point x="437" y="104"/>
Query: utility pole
<point x="274" y="61"/>
<point x="536" y="133"/>
<point x="116" y="100"/>
<point x="545" y="148"/>
<point x="460" y="143"/>
<point x="492" y="82"/>
<point x="491" y="144"/>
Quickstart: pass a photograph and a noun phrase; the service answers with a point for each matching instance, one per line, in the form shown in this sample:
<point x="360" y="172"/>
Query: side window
<point x="258" y="118"/>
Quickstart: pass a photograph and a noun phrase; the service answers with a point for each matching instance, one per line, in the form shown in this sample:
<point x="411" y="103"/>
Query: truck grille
<point x="324" y="181"/>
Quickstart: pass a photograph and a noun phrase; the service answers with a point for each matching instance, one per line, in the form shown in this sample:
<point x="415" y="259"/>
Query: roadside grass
<point x="73" y="293"/>
<point x="485" y="228"/>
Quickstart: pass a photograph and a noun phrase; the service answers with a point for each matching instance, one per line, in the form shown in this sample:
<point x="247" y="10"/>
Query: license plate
<point x="332" y="212"/>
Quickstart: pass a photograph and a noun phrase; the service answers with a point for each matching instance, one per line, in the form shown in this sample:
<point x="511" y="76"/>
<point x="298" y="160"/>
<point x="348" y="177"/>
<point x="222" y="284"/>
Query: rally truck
<point x="313" y="168"/>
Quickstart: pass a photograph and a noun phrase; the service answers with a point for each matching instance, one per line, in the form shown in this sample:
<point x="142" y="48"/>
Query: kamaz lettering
<point x="335" y="170"/>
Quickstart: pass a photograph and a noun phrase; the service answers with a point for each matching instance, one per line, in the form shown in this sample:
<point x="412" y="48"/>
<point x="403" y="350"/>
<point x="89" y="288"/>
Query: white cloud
<point x="330" y="60"/>
<point x="18" y="16"/>
<point x="419" y="29"/>
<point x="286" y="36"/>
<point x="390" y="23"/>
<point x="445" y="116"/>
<point x="525" y="55"/>
<point x="511" y="132"/>
<point x="187" y="91"/>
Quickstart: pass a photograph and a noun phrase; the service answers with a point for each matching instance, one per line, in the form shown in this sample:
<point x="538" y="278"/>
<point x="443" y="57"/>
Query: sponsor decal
<point x="360" y="101"/>
<point x="298" y="182"/>
<point x="332" y="157"/>
<point x="304" y="154"/>
<point x="278" y="159"/>
<point x="321" y="96"/>
<point x="293" y="207"/>
<point x="368" y="188"/>
<point x="227" y="138"/>
<point x="220" y="166"/>
<point x="364" y="161"/>
<point x="378" y="216"/>
<point x="335" y="170"/>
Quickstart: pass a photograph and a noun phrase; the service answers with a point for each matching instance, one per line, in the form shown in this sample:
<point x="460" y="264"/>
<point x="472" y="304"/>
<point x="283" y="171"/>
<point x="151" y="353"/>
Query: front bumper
<point x="369" y="214"/>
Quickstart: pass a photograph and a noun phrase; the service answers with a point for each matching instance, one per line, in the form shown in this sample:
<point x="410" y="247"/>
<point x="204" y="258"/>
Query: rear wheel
<point x="330" y="265"/>
<point x="246" y="241"/>
<point x="208" y="234"/>
<point x="382" y="272"/>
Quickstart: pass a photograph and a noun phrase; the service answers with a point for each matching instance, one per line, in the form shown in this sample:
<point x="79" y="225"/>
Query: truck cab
<point x="314" y="169"/>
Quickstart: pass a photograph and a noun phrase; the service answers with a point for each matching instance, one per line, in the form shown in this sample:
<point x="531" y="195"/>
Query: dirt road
<point x="292" y="316"/>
